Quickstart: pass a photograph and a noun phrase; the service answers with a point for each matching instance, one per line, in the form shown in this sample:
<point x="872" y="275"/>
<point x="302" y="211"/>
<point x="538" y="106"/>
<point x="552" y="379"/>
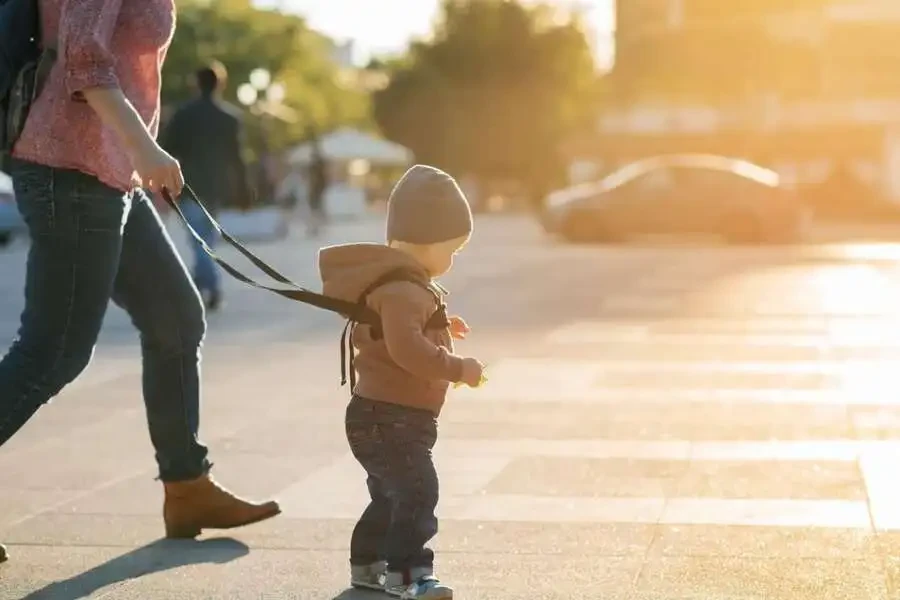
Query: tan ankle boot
<point x="3" y="555"/>
<point x="203" y="504"/>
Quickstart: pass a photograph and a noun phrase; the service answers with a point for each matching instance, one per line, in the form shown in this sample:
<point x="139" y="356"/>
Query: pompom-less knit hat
<point x="427" y="207"/>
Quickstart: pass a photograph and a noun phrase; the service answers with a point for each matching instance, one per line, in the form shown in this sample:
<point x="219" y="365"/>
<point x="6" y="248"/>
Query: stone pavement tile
<point x="772" y="479"/>
<point x="775" y="578"/>
<point x="285" y="436"/>
<point x="697" y="421"/>
<point x="579" y="577"/>
<point x="323" y="575"/>
<point x="625" y="539"/>
<point x="261" y="475"/>
<point x="557" y="539"/>
<point x="696" y="378"/>
<point x="615" y="477"/>
<point x="845" y="327"/>
<point x="66" y="573"/>
<point x="61" y="530"/>
<point x="459" y="537"/>
<point x="240" y="472"/>
<point x="92" y="468"/>
<point x="770" y="512"/>
<point x="765" y="542"/>
<point x="892" y="567"/>
<point x="552" y="476"/>
<point x="16" y="504"/>
<point x="697" y="350"/>
<point x="31" y="568"/>
<point x="888" y="543"/>
<point x="67" y="430"/>
<point x="877" y="423"/>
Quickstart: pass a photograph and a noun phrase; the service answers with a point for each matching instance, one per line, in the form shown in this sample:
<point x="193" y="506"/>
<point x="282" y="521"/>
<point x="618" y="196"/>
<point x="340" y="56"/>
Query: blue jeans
<point x="206" y="272"/>
<point x="393" y="444"/>
<point x="89" y="244"/>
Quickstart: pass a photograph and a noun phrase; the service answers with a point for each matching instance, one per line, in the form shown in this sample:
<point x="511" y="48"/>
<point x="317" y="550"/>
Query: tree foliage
<point x="495" y="93"/>
<point x="244" y="38"/>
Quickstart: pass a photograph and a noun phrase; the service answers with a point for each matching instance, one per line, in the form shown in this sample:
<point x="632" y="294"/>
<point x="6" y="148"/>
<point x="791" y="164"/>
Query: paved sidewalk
<point x="660" y="423"/>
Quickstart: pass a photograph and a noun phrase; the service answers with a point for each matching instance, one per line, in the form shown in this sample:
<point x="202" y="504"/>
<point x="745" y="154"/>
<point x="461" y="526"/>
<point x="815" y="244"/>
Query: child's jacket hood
<point x="348" y="269"/>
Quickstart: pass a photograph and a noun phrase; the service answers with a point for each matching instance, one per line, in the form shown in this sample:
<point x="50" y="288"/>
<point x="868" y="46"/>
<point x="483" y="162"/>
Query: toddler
<point x="405" y="366"/>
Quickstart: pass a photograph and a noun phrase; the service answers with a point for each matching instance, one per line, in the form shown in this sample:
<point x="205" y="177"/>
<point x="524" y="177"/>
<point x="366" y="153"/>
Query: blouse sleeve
<point x="85" y="32"/>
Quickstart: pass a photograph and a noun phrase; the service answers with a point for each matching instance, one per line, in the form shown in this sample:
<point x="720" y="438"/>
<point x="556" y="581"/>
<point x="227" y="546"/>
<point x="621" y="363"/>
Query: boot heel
<point x="182" y="531"/>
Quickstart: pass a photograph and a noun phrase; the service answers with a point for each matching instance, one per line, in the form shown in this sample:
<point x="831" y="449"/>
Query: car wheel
<point x="743" y="229"/>
<point x="583" y="229"/>
<point x="5" y="239"/>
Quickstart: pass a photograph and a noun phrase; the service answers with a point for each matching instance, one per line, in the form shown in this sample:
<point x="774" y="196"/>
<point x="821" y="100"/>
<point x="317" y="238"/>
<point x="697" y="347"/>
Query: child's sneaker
<point x="424" y="586"/>
<point x="370" y="577"/>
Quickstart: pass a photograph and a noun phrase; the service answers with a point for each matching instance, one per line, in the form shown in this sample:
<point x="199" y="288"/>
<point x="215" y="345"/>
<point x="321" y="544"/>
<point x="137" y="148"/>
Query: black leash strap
<point x="297" y="293"/>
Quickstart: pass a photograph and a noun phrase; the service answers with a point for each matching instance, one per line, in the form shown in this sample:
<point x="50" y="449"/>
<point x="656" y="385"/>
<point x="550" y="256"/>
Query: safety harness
<point x="356" y="313"/>
<point x="437" y="320"/>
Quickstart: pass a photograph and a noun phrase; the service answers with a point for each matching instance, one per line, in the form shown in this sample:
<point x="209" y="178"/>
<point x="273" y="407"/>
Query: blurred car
<point x="679" y="194"/>
<point x="11" y="223"/>
<point x="843" y="196"/>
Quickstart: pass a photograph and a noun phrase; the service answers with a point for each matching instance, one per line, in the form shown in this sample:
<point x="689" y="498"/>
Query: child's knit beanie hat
<point x="427" y="207"/>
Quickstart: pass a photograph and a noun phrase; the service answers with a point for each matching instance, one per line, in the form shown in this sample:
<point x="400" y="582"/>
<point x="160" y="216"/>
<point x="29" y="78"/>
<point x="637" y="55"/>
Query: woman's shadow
<point x="159" y="556"/>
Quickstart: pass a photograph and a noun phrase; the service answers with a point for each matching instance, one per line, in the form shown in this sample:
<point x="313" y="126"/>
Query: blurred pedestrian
<point x="87" y="148"/>
<point x="318" y="185"/>
<point x="204" y="135"/>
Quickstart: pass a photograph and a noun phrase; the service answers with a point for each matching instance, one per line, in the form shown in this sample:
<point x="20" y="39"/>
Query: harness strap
<point x="297" y="293"/>
<point x="438" y="319"/>
<point x="354" y="312"/>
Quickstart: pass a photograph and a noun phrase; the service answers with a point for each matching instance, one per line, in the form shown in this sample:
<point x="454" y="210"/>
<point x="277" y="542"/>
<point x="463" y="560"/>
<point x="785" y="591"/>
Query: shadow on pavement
<point x="355" y="594"/>
<point x="159" y="556"/>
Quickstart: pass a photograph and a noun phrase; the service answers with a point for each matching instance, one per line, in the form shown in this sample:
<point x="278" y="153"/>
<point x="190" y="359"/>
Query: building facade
<point x="800" y="85"/>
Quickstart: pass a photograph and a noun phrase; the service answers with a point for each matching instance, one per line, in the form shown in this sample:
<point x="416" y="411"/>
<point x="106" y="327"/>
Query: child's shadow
<point x="355" y="594"/>
<point x="159" y="556"/>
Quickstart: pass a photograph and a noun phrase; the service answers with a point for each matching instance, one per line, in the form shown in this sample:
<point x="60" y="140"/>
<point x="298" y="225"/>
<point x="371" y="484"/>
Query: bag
<point x="23" y="66"/>
<point x="355" y="312"/>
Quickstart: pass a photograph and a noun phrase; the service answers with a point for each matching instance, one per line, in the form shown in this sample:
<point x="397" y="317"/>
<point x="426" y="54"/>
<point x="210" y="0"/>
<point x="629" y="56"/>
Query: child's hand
<point x="458" y="328"/>
<point x="472" y="372"/>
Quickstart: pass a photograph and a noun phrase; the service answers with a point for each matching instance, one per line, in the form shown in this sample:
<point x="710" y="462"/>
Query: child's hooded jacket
<point x="409" y="364"/>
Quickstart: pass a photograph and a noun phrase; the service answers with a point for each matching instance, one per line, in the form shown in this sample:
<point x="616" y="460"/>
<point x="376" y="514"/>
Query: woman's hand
<point x="157" y="169"/>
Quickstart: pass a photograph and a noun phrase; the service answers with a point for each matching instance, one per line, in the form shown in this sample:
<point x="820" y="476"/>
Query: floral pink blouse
<point x="101" y="43"/>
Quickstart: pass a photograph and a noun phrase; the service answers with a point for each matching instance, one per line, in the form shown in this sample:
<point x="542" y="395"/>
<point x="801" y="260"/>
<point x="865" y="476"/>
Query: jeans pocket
<point x="97" y="207"/>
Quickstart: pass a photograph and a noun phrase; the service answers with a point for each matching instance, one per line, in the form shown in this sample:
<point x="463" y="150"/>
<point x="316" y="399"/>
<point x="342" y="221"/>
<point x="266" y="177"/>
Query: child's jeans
<point x="393" y="444"/>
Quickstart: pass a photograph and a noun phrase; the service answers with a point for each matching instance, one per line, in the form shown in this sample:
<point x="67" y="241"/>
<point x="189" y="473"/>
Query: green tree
<point x="244" y="38"/>
<point x="494" y="94"/>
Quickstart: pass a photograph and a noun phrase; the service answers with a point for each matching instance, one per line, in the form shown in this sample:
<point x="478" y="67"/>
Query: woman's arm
<point x="118" y="114"/>
<point x="86" y="29"/>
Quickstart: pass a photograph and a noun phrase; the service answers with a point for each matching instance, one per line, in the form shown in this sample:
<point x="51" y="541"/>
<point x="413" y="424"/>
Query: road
<point x="661" y="422"/>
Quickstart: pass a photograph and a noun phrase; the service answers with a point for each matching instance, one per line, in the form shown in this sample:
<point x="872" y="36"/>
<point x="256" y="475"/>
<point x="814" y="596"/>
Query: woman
<point x="87" y="149"/>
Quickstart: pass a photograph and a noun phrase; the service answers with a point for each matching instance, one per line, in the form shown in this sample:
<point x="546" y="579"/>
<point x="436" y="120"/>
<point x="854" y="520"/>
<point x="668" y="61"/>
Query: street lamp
<point x="261" y="89"/>
<point x="247" y="94"/>
<point x="262" y="95"/>
<point x="260" y="79"/>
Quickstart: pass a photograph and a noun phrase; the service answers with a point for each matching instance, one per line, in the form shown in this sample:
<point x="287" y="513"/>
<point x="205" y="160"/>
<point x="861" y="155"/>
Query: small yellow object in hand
<point x="481" y="382"/>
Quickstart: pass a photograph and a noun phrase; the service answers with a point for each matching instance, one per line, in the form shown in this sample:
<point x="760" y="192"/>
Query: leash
<point x="350" y="310"/>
